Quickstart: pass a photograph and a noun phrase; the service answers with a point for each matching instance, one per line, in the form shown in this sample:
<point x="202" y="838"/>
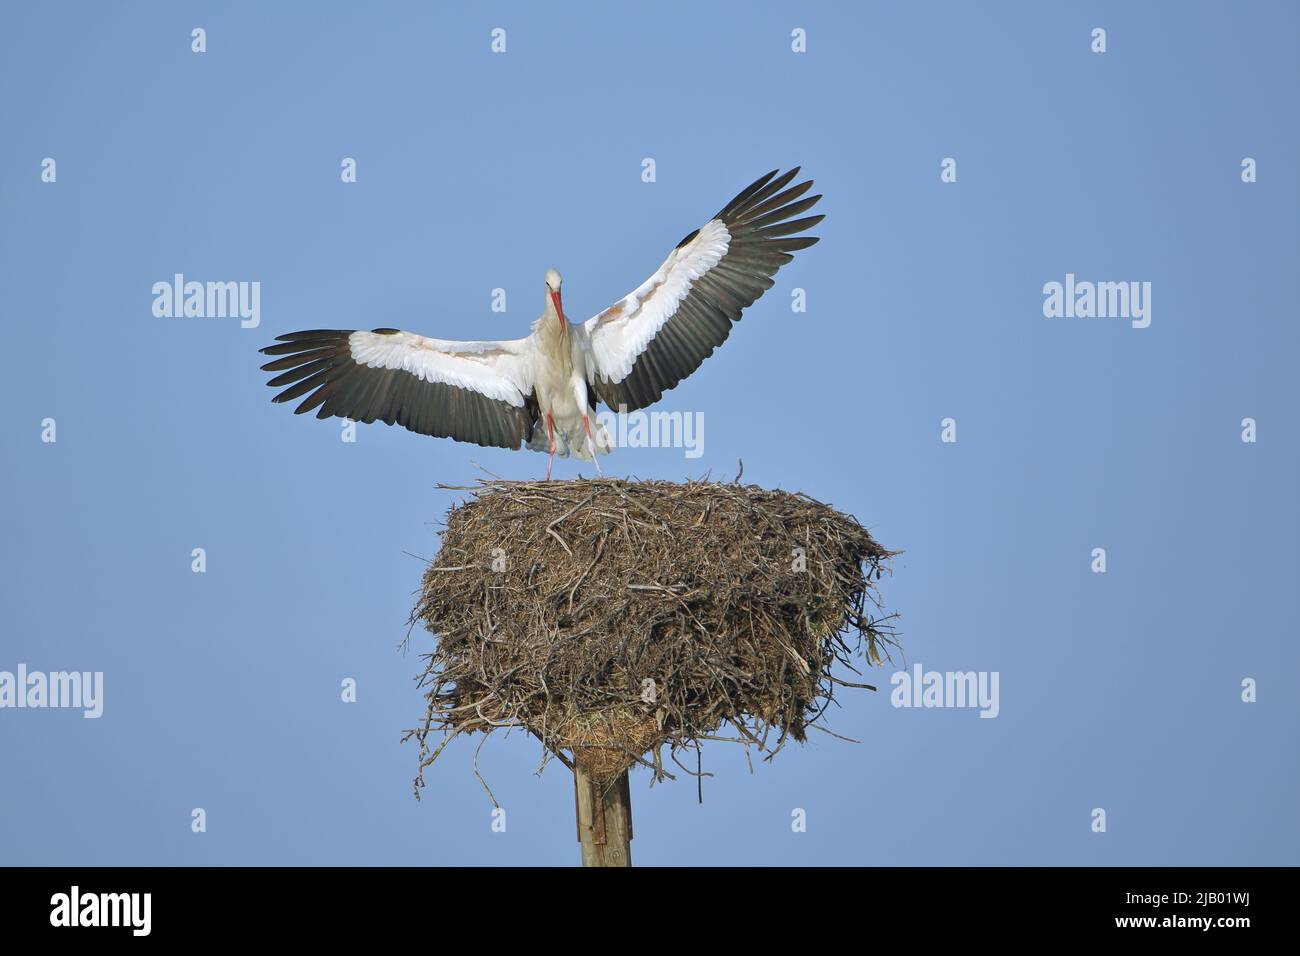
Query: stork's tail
<point x="574" y="445"/>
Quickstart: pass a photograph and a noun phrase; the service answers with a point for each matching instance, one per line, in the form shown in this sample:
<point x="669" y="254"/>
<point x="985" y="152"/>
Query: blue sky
<point x="476" y="171"/>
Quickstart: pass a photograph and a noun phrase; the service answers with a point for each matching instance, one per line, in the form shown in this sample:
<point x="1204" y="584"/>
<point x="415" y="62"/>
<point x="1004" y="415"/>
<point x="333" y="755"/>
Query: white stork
<point x="542" y="390"/>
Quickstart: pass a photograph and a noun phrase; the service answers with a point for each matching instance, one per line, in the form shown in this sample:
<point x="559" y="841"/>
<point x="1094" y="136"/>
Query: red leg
<point x="550" y="445"/>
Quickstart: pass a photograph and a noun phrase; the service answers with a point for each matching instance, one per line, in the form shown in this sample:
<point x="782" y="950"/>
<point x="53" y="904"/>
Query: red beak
<point x="559" y="310"/>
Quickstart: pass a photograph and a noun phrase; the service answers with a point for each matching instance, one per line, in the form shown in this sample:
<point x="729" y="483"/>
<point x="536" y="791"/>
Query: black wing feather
<point x="318" y="364"/>
<point x="760" y="221"/>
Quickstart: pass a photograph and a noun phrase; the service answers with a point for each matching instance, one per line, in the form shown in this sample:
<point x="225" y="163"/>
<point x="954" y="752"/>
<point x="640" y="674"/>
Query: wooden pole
<point x="604" y="820"/>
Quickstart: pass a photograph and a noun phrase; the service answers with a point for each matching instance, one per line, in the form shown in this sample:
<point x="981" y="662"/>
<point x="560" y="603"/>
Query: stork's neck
<point x="554" y="340"/>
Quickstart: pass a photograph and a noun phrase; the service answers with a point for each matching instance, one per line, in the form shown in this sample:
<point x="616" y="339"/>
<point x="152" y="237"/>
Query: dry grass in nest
<point x="611" y="617"/>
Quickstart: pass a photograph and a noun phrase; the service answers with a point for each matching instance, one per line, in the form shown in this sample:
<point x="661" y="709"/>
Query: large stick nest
<point x="611" y="617"/>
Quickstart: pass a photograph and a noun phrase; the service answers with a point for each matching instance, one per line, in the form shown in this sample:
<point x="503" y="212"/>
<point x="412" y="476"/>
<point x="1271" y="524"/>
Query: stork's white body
<point x="560" y="358"/>
<point x="541" y="391"/>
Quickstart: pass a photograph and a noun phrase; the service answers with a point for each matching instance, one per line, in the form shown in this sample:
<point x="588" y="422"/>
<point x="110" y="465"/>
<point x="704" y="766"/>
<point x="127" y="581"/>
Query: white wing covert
<point x="656" y="335"/>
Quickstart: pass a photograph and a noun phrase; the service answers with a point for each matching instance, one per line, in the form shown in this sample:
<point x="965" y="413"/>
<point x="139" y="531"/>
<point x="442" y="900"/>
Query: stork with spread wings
<point x="541" y="391"/>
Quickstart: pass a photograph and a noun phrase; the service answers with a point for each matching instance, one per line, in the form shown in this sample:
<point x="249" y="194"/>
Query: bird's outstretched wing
<point x="479" y="392"/>
<point x="654" y="337"/>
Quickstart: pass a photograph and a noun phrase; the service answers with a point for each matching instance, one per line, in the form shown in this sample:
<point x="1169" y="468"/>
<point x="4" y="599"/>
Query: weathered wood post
<point x="604" y="819"/>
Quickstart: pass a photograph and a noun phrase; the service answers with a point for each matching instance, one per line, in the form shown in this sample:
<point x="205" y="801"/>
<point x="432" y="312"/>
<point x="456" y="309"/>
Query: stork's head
<point x="553" y="281"/>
